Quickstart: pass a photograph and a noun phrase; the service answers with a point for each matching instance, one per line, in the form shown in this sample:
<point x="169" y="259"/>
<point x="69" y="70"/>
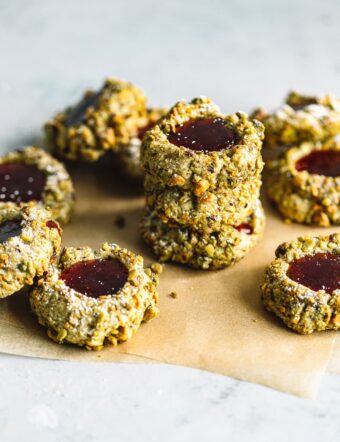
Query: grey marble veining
<point x="242" y="54"/>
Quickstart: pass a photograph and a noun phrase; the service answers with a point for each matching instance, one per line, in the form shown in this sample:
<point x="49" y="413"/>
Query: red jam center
<point x="142" y="130"/>
<point x="245" y="228"/>
<point x="96" y="277"/>
<point x="78" y="113"/>
<point x="321" y="162"/>
<point x="10" y="228"/>
<point x="207" y="135"/>
<point x="317" y="272"/>
<point x="21" y="182"/>
<point x="53" y="225"/>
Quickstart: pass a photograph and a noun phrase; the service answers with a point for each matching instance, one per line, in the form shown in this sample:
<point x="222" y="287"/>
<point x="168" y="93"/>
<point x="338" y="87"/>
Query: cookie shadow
<point x="19" y="307"/>
<point x="120" y="226"/>
<point x="107" y="175"/>
<point x="20" y="141"/>
<point x="250" y="293"/>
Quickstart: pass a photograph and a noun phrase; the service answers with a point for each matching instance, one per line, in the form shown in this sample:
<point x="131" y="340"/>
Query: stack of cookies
<point x="202" y="183"/>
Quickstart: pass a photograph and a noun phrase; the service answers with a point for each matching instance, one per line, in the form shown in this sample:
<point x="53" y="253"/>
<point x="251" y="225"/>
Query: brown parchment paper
<point x="217" y="323"/>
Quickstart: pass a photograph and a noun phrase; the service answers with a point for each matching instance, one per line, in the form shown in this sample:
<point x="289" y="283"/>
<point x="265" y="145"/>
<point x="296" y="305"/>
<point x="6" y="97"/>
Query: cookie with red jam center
<point x="32" y="175"/>
<point x="305" y="183"/>
<point x="195" y="146"/>
<point x="95" y="297"/>
<point x="302" y="285"/>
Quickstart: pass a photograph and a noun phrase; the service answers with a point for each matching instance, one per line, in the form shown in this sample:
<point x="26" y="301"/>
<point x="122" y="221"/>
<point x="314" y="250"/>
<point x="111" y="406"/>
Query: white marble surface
<point x="241" y="53"/>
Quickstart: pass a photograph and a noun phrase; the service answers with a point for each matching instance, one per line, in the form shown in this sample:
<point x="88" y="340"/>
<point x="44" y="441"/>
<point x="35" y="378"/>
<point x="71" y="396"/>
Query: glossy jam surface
<point x="53" y="225"/>
<point x="21" y="182"/>
<point x="142" y="130"/>
<point x="78" y="113"/>
<point x="96" y="277"/>
<point x="317" y="272"/>
<point x="207" y="135"/>
<point x="10" y="228"/>
<point x="245" y="228"/>
<point x="321" y="162"/>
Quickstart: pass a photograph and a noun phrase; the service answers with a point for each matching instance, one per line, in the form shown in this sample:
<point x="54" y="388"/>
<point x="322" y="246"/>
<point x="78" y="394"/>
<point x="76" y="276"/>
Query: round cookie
<point x="29" y="240"/>
<point x="305" y="183"/>
<point x="96" y="297"/>
<point x="171" y="154"/>
<point x="301" y="118"/>
<point x="129" y="153"/>
<point x="301" y="286"/>
<point x="201" y="250"/>
<point x="208" y="212"/>
<point x="101" y="121"/>
<point x="31" y="174"/>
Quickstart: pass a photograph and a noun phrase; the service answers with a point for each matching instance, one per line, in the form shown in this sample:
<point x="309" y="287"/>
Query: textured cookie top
<point x="31" y="174"/>
<point x="200" y="127"/>
<point x="96" y="296"/>
<point x="284" y="269"/>
<point x="100" y="121"/>
<point x="302" y="285"/>
<point x="301" y="118"/>
<point x="29" y="240"/>
<point x="228" y="147"/>
<point x="312" y="168"/>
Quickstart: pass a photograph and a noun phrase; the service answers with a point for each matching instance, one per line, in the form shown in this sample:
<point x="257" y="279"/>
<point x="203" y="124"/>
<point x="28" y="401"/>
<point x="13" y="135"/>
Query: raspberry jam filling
<point x="78" y="113"/>
<point x="21" y="182"/>
<point x="207" y="135"/>
<point x="142" y="130"/>
<point x="53" y="225"/>
<point x="245" y="228"/>
<point x="317" y="272"/>
<point x="10" y="228"/>
<point x="96" y="277"/>
<point x="321" y="162"/>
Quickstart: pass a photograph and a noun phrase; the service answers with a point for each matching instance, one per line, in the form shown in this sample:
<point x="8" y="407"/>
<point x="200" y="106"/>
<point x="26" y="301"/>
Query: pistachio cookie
<point x="129" y="153"/>
<point x="201" y="250"/>
<point x="207" y="212"/>
<point x="198" y="148"/>
<point x="302" y="285"/>
<point x="31" y="174"/>
<point x="301" y="118"/>
<point x="29" y="240"/>
<point x="101" y="121"/>
<point x="305" y="183"/>
<point x="96" y="297"/>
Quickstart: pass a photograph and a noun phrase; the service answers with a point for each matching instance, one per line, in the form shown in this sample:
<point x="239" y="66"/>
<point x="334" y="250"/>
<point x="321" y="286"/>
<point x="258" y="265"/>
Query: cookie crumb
<point x="157" y="268"/>
<point x="120" y="221"/>
<point x="173" y="295"/>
